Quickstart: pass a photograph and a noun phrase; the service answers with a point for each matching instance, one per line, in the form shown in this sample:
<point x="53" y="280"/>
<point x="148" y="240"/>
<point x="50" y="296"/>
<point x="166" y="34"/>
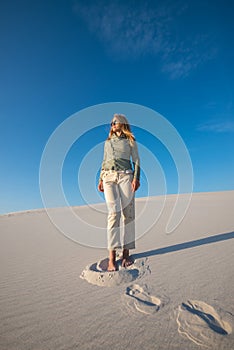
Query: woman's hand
<point x="135" y="185"/>
<point x="100" y="186"/>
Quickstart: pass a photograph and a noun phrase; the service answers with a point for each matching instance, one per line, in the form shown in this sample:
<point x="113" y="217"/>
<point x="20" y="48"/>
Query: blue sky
<point x="59" y="57"/>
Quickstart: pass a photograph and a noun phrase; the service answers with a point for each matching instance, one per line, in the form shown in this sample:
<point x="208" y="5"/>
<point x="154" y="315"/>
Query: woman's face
<point x="115" y="124"/>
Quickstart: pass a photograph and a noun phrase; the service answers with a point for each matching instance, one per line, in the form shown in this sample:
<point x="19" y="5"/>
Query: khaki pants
<point x="120" y="200"/>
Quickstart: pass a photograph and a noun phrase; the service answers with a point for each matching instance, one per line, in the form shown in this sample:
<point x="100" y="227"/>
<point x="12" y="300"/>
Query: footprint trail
<point x="201" y="323"/>
<point x="142" y="301"/>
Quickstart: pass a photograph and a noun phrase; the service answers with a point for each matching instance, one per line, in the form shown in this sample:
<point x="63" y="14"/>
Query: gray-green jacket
<point x="119" y="154"/>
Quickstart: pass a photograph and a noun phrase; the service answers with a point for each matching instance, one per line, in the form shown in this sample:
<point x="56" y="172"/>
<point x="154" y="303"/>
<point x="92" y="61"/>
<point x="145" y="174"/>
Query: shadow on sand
<point x="186" y="245"/>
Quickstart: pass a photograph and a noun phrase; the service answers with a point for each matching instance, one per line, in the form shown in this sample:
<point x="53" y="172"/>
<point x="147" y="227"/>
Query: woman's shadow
<point x="185" y="245"/>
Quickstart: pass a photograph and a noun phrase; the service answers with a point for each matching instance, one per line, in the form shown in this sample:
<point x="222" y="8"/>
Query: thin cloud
<point x="131" y="30"/>
<point x="123" y="29"/>
<point x="217" y="127"/>
<point x="187" y="58"/>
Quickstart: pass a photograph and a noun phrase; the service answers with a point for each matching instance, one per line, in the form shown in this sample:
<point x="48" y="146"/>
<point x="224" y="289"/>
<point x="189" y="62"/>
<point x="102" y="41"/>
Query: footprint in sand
<point x="97" y="273"/>
<point x="142" y="300"/>
<point x="201" y="323"/>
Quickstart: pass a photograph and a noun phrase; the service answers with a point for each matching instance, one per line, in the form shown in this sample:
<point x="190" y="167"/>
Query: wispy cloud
<point x="133" y="29"/>
<point x="187" y="58"/>
<point x="217" y="126"/>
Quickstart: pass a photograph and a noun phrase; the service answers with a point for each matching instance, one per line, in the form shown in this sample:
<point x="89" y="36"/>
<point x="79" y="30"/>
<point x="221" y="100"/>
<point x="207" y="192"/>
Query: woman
<point x="119" y="181"/>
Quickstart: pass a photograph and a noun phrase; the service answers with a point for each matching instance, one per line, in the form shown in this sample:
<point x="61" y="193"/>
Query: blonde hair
<point x="125" y="128"/>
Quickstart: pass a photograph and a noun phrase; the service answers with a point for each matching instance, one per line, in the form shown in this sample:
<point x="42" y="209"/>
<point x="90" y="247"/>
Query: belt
<point x="128" y="171"/>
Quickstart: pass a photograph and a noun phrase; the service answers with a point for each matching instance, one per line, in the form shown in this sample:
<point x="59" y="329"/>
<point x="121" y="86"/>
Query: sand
<point x="178" y="294"/>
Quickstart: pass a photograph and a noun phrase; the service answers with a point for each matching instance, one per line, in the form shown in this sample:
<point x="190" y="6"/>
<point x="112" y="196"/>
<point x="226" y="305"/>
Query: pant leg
<point x="127" y="198"/>
<point x="112" y="197"/>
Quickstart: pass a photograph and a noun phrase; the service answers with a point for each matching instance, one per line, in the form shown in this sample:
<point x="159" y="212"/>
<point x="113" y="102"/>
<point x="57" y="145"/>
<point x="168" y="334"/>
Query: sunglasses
<point x="114" y="122"/>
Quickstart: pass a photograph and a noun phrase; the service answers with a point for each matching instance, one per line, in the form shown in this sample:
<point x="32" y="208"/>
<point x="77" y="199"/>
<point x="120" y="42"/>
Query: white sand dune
<point x="178" y="294"/>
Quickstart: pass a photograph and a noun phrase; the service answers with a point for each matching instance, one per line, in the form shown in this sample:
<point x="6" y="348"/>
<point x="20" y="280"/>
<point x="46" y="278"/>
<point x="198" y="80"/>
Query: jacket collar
<point x="122" y="136"/>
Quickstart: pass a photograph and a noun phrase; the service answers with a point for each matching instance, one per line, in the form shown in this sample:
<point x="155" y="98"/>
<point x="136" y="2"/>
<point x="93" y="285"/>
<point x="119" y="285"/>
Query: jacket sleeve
<point x="103" y="162"/>
<point x="136" y="161"/>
